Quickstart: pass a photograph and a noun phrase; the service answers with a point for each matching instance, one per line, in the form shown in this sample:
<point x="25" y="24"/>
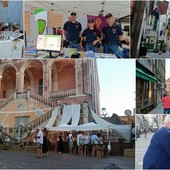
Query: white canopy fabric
<point x="101" y="124"/>
<point x="70" y="112"/>
<point x="81" y="7"/>
<point x="52" y="119"/>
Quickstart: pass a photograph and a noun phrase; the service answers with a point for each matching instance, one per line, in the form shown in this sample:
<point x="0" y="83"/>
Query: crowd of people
<point x="75" y="140"/>
<point x="92" y="38"/>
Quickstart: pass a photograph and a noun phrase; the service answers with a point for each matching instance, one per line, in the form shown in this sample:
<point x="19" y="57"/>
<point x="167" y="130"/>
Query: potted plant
<point x="164" y="47"/>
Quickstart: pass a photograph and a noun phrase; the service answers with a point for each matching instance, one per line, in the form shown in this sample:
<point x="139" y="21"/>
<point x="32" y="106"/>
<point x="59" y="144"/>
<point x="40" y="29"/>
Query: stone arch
<point x="7" y="80"/>
<point x="28" y="75"/>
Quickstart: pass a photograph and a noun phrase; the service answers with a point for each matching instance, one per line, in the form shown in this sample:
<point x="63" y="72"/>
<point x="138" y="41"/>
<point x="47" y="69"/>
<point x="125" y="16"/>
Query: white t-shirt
<point x="79" y="139"/>
<point x="40" y="135"/>
<point x="70" y="137"/>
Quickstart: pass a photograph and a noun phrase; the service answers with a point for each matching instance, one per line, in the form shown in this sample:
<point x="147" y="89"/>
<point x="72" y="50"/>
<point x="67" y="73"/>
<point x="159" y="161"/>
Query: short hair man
<point x="39" y="138"/>
<point x="72" y="31"/>
<point x="112" y="33"/>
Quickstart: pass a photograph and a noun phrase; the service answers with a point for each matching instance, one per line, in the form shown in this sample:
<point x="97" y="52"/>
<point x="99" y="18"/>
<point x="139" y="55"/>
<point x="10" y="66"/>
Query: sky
<point x="167" y="72"/>
<point x="117" y="80"/>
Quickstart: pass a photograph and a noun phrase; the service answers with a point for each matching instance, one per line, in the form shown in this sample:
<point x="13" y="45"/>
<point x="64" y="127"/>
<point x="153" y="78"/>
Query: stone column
<point x="45" y="80"/>
<point x="85" y="110"/>
<point x="79" y="77"/>
<point x="19" y="81"/>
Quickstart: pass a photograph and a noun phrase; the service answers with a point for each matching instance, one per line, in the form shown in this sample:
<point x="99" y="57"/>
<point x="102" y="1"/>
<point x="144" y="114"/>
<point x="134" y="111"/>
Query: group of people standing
<point x="91" y="38"/>
<point x="82" y="139"/>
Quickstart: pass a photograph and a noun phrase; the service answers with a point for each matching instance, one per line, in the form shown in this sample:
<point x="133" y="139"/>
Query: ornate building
<point x="31" y="88"/>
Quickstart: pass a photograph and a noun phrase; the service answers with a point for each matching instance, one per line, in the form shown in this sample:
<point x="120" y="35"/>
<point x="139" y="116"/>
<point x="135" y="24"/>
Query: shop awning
<point x="145" y="75"/>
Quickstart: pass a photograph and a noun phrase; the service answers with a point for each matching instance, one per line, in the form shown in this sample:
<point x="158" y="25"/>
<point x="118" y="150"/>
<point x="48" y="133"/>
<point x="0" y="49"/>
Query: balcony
<point x="65" y="93"/>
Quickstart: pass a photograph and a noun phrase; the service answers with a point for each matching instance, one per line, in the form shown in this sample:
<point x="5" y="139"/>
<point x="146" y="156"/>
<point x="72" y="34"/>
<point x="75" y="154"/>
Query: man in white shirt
<point x="70" y="136"/>
<point x="39" y="138"/>
<point x="80" y="143"/>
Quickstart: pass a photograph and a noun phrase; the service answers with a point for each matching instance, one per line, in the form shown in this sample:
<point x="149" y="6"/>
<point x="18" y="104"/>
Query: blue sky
<point x="167" y="72"/>
<point x="117" y="85"/>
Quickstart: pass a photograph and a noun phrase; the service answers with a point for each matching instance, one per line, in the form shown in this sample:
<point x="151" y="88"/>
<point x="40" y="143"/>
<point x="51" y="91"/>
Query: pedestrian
<point x="157" y="155"/>
<point x="92" y="37"/>
<point x="112" y="34"/>
<point x="39" y="138"/>
<point x="60" y="145"/>
<point x="95" y="138"/>
<point x="145" y="133"/>
<point x="80" y="143"/>
<point x="166" y="103"/>
<point x="45" y="142"/>
<point x="70" y="141"/>
<point x="72" y="31"/>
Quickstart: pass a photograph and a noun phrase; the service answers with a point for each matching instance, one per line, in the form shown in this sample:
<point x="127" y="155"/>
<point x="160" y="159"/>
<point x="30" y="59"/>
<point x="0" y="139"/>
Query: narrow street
<point x="157" y="110"/>
<point x="157" y="55"/>
<point x="142" y="144"/>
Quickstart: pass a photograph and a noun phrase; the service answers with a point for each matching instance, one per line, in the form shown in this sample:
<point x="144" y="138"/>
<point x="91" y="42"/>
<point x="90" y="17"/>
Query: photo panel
<point x="11" y="29"/>
<point x="69" y="98"/>
<point x="150" y="29"/>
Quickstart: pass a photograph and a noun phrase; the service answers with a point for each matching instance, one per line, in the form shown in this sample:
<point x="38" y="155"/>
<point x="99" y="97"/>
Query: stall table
<point x="11" y="49"/>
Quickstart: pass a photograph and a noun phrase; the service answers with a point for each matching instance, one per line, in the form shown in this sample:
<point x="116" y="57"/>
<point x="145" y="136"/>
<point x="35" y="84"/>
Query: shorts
<point x="39" y="145"/>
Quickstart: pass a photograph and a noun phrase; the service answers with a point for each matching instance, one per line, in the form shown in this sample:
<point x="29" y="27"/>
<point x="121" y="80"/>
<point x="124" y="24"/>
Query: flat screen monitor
<point x="49" y="42"/>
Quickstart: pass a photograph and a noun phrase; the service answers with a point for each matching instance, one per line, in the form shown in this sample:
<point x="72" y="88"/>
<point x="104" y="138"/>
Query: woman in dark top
<point x="45" y="142"/>
<point x="92" y="37"/>
<point x="60" y="145"/>
<point x="158" y="154"/>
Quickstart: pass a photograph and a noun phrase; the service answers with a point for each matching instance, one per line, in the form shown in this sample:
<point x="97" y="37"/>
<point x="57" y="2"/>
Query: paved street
<point x="142" y="144"/>
<point x="157" y="110"/>
<point x="25" y="160"/>
<point x="157" y="55"/>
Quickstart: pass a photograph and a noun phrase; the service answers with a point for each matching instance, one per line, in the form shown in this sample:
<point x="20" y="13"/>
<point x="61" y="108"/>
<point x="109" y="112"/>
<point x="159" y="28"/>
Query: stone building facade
<point x="30" y="88"/>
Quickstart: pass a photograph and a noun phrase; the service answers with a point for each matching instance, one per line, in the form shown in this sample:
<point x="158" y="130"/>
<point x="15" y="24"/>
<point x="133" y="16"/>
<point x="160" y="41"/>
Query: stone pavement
<point x="157" y="110"/>
<point x="157" y="55"/>
<point x="142" y="144"/>
<point x="25" y="160"/>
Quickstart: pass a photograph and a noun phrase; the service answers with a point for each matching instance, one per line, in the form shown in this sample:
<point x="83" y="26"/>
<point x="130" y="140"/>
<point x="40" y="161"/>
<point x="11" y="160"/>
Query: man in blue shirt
<point x="72" y="31"/>
<point x="95" y="139"/>
<point x="112" y="33"/>
<point x="157" y="155"/>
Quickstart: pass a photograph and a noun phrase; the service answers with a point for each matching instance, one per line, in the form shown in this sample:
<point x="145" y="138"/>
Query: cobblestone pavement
<point x="25" y="160"/>
<point x="142" y="144"/>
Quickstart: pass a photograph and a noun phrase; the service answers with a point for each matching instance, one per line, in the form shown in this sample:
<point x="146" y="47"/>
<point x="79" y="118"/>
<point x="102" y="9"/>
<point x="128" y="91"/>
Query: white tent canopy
<point x="117" y="8"/>
<point x="100" y="124"/>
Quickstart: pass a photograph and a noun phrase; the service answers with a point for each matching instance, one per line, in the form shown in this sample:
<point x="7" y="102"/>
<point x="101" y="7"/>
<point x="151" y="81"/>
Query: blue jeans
<point x="91" y="47"/>
<point x="110" y="48"/>
<point x="166" y="111"/>
<point x="74" y="45"/>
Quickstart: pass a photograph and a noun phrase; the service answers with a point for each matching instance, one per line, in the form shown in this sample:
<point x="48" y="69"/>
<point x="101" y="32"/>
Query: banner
<point x="99" y="21"/>
<point x="41" y="16"/>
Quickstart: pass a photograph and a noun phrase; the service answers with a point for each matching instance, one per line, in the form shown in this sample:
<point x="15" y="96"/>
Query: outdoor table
<point x="11" y="49"/>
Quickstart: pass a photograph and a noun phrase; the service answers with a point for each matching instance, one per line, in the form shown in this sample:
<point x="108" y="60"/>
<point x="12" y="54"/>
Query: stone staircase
<point x="28" y="96"/>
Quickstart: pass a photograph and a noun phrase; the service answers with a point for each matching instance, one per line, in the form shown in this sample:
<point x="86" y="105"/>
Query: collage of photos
<point x="85" y="84"/>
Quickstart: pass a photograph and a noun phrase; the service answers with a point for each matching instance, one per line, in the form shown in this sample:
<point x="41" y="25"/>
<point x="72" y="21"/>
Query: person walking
<point x="70" y="141"/>
<point x="166" y="103"/>
<point x="112" y="34"/>
<point x="157" y="155"/>
<point x="39" y="138"/>
<point x="72" y="31"/>
<point x="45" y="142"/>
<point x="92" y="37"/>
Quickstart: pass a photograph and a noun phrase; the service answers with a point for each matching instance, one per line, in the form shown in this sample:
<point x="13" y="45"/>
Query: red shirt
<point x="166" y="102"/>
